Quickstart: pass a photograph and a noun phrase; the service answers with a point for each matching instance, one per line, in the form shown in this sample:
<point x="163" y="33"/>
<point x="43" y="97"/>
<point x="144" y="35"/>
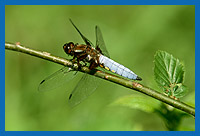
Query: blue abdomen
<point x="117" y="68"/>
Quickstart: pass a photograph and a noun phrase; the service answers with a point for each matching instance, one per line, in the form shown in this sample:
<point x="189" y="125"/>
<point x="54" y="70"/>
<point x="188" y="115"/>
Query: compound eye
<point x="64" y="46"/>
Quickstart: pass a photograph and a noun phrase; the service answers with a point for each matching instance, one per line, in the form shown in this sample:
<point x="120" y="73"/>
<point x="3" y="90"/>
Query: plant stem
<point x="118" y="80"/>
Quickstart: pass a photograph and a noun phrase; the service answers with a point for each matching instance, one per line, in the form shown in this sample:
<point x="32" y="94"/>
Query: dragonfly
<point x="96" y="56"/>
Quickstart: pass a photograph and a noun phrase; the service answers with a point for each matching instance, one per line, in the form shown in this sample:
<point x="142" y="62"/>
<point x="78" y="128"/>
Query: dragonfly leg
<point x="84" y="62"/>
<point x="79" y="65"/>
<point x="73" y="61"/>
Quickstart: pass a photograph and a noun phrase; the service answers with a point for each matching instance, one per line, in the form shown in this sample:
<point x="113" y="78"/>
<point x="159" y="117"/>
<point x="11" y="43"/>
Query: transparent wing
<point x="88" y="42"/>
<point x="100" y="42"/>
<point x="57" y="79"/>
<point x="85" y="87"/>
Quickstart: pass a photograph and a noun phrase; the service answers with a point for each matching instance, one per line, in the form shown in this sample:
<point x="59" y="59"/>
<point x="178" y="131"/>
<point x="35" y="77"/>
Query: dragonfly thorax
<point x="82" y="52"/>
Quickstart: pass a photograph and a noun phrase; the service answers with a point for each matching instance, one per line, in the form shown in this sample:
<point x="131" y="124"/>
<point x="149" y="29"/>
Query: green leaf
<point x="146" y="104"/>
<point x="171" y="116"/>
<point x="180" y="91"/>
<point x="169" y="74"/>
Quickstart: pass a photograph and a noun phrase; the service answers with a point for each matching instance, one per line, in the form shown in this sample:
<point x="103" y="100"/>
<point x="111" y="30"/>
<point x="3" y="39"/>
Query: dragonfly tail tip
<point x="138" y="78"/>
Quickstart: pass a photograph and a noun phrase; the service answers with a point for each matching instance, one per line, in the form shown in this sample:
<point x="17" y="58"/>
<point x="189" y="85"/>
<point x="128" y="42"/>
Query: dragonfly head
<point x="68" y="48"/>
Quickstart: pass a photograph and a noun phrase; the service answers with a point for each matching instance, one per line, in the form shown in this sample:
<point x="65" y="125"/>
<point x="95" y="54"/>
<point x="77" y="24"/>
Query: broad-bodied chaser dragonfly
<point x="87" y="53"/>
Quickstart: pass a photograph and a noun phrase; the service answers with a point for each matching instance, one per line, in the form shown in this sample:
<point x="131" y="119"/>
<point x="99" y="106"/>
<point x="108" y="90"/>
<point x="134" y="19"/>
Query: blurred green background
<point x="132" y="35"/>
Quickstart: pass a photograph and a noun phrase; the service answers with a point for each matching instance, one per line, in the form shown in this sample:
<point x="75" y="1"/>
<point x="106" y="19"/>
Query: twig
<point x="118" y="80"/>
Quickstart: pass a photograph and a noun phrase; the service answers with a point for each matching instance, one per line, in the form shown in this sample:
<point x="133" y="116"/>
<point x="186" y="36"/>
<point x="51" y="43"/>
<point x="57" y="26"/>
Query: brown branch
<point x="118" y="80"/>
